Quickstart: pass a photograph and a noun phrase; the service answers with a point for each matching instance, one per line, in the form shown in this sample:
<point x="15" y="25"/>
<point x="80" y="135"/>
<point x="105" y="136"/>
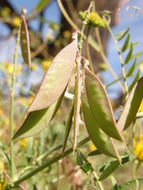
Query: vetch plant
<point x="90" y="105"/>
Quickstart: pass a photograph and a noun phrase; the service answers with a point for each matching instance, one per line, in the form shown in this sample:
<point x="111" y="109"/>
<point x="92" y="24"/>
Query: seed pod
<point x="24" y="40"/>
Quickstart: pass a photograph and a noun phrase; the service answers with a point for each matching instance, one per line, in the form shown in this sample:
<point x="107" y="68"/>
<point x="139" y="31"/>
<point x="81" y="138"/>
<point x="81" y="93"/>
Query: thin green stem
<point x="80" y="40"/>
<point x="12" y="92"/>
<point x="134" y="144"/>
<point x="78" y="79"/>
<point x="49" y="163"/>
<point x="121" y="61"/>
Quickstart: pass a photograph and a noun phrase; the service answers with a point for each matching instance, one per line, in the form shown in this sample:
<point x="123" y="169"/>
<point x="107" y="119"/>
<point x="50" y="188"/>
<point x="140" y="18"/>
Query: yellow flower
<point x="23" y="143"/>
<point x="33" y="67"/>
<point x="9" y="68"/>
<point x="16" y="21"/>
<point x="141" y="107"/>
<point x="92" y="146"/>
<point x="67" y="34"/>
<point x="1" y="111"/>
<point x="45" y="64"/>
<point x="54" y="26"/>
<point x="93" y="20"/>
<point x="139" y="148"/>
<point x="30" y="100"/>
<point x="5" y="12"/>
<point x="2" y="166"/>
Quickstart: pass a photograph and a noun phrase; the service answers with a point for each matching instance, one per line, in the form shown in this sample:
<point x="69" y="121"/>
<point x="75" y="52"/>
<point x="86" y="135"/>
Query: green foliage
<point x="87" y="109"/>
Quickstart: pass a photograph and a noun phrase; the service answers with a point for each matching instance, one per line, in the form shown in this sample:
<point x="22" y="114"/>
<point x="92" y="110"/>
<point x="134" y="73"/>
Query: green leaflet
<point x="111" y="166"/>
<point x="129" y="55"/>
<point x="126" y="44"/>
<point x="98" y="137"/>
<point x="133" y="184"/>
<point x="56" y="78"/>
<point x="41" y="5"/>
<point x="131" y="107"/>
<point x="24" y="41"/>
<point x="100" y="105"/>
<point x="131" y="70"/>
<point x="109" y="169"/>
<point x="36" y="121"/>
<point x="122" y="34"/>
<point x="134" y="81"/>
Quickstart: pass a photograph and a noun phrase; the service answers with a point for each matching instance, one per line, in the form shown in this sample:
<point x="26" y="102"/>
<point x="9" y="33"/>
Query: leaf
<point x="111" y="166"/>
<point x="94" y="153"/>
<point x="131" y="70"/>
<point x="131" y="107"/>
<point x="129" y="55"/>
<point x="109" y="169"/>
<point x="130" y="184"/>
<point x="100" y="105"/>
<point x="98" y="137"/>
<point x="126" y="44"/>
<point x="41" y="5"/>
<point x="134" y="81"/>
<point x="36" y="121"/>
<point x="24" y="41"/>
<point x="122" y="34"/>
<point x="56" y="78"/>
<point x="138" y="54"/>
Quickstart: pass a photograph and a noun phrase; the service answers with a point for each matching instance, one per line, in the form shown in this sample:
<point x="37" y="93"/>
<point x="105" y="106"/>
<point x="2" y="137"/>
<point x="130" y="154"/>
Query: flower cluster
<point x="139" y="148"/>
<point x="93" y="20"/>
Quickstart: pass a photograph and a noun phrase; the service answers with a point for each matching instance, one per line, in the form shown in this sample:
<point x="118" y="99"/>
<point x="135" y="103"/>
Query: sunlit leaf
<point x="24" y="41"/>
<point x="56" y="78"/>
<point x="134" y="81"/>
<point x="132" y="69"/>
<point x="41" y="5"/>
<point x="136" y="55"/>
<point x="122" y="34"/>
<point x="133" y="184"/>
<point x="100" y="105"/>
<point x="36" y="121"/>
<point x="94" y="153"/>
<point x="126" y="44"/>
<point x="131" y="107"/>
<point x="129" y="55"/>
<point x="111" y="166"/>
<point x="98" y="137"/>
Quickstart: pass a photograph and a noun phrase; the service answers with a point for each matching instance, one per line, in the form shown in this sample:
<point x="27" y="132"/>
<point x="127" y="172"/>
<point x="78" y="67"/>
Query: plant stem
<point x="49" y="163"/>
<point x="121" y="61"/>
<point x="13" y="76"/>
<point x="78" y="80"/>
